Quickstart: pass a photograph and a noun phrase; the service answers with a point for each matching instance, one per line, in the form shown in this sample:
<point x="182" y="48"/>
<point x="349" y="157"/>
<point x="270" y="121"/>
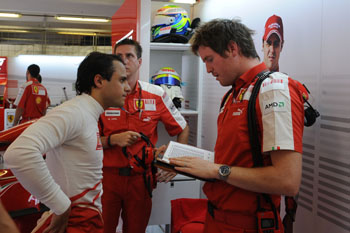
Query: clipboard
<point x="171" y="168"/>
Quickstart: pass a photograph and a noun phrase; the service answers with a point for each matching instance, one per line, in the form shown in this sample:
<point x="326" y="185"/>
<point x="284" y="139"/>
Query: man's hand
<point x="165" y="176"/>
<point x="58" y="223"/>
<point x="160" y="151"/>
<point x="125" y="139"/>
<point x="196" y="166"/>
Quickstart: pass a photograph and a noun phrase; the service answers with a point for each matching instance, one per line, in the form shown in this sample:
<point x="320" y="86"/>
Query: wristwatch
<point x="224" y="172"/>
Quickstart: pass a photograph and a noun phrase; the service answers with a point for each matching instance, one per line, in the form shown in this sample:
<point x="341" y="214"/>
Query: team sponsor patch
<point x="99" y="143"/>
<point x="272" y="84"/>
<point x="38" y="100"/>
<point x="165" y="30"/>
<point x="37" y="90"/>
<point x="274" y="106"/>
<point x="145" y="104"/>
<point x="110" y="113"/>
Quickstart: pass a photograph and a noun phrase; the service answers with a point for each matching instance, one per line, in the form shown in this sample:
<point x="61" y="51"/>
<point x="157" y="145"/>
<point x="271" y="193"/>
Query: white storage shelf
<point x="170" y="46"/>
<point x="179" y="57"/>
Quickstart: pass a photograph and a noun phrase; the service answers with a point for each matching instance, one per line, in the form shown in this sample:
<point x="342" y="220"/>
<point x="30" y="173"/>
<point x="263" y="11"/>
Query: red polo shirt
<point x="280" y="115"/>
<point x="33" y="98"/>
<point x="143" y="109"/>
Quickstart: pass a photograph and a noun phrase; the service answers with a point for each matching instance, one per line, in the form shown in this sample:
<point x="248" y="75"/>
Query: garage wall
<point x="315" y="52"/>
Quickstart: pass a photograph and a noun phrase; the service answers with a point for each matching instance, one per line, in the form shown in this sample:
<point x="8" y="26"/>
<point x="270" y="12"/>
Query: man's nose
<point x="123" y="57"/>
<point x="127" y="88"/>
<point x="209" y="68"/>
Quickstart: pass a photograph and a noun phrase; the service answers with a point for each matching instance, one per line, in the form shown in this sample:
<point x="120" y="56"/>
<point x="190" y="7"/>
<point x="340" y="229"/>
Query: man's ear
<point x="140" y="61"/>
<point x="98" y="80"/>
<point x="233" y="48"/>
<point x="282" y="45"/>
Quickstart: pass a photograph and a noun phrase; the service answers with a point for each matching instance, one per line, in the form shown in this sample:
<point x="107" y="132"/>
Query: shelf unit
<point x="186" y="64"/>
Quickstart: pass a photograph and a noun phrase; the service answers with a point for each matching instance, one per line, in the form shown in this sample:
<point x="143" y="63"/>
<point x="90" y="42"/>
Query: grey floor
<point x="154" y="229"/>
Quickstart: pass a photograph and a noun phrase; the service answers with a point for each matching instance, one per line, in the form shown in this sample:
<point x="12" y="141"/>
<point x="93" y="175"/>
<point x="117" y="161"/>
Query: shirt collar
<point x="33" y="79"/>
<point x="137" y="88"/>
<point x="248" y="76"/>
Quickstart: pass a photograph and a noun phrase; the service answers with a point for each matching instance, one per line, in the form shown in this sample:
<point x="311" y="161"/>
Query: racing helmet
<point x="171" y="24"/>
<point x="170" y="81"/>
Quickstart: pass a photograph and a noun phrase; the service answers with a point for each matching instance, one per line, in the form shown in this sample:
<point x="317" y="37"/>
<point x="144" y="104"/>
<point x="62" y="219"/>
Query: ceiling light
<point x="184" y="1"/>
<point x="77" y="33"/>
<point x="82" y="18"/>
<point x="10" y="15"/>
<point x="14" y="30"/>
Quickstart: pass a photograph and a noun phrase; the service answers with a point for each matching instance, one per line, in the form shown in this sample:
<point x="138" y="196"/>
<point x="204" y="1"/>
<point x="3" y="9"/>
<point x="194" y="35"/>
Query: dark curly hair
<point x="218" y="33"/>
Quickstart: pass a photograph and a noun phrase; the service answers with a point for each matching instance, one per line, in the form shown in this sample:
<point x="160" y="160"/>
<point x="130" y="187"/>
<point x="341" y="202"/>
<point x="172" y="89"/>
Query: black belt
<point x="124" y="171"/>
<point x="128" y="171"/>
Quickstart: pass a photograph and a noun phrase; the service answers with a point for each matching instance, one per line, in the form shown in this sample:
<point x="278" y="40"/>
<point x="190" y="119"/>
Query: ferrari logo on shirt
<point x="240" y="95"/>
<point x="10" y="118"/>
<point x="145" y="104"/>
<point x="35" y="90"/>
<point x="139" y="104"/>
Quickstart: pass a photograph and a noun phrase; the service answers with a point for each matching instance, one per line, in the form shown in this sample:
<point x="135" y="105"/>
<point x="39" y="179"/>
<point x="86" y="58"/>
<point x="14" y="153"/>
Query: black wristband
<point x="109" y="141"/>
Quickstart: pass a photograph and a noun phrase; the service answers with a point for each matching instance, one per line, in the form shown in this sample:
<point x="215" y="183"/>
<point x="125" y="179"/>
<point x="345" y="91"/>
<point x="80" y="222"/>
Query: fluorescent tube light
<point x="184" y="1"/>
<point x="77" y="33"/>
<point x="81" y="18"/>
<point x="10" y="15"/>
<point x="14" y="30"/>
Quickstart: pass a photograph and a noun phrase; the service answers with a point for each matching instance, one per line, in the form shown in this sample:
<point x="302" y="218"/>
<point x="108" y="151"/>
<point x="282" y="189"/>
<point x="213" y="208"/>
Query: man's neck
<point x="132" y="80"/>
<point x="249" y="63"/>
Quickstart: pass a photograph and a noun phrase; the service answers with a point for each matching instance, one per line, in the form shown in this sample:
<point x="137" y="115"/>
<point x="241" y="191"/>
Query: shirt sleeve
<point x="171" y="117"/>
<point x="19" y="95"/>
<point x="24" y="157"/>
<point x="282" y="114"/>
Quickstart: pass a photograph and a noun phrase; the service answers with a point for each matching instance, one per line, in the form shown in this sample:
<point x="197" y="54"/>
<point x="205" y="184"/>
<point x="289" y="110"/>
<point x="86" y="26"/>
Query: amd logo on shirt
<point x="275" y="106"/>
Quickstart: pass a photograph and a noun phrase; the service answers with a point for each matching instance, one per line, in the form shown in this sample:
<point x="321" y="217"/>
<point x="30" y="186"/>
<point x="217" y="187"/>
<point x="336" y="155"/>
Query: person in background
<point x="69" y="181"/>
<point x="125" y="189"/>
<point x="7" y="225"/>
<point x="227" y="49"/>
<point x="32" y="97"/>
<point x="273" y="42"/>
<point x="272" y="46"/>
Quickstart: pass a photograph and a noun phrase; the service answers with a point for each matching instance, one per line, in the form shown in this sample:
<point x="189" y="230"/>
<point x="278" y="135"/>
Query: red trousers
<point x="129" y="195"/>
<point x="81" y="220"/>
<point x="211" y="225"/>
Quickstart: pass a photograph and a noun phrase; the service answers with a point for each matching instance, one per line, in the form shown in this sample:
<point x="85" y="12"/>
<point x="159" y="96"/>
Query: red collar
<point x="247" y="77"/>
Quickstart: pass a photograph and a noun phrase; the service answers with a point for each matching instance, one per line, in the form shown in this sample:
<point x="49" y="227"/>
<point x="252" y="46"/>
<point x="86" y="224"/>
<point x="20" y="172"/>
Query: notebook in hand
<point x="176" y="149"/>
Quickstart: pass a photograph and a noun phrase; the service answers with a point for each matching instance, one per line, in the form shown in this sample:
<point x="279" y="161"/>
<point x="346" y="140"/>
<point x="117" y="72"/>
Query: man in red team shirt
<point x="32" y="97"/>
<point x="125" y="189"/>
<point x="236" y="200"/>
